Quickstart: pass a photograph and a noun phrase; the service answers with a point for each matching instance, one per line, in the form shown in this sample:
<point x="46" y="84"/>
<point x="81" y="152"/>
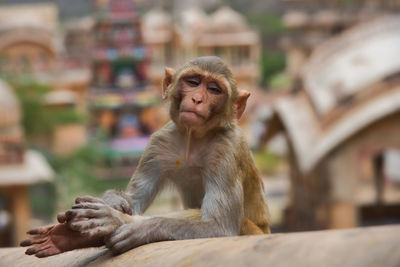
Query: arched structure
<point x="27" y="41"/>
<point x="230" y="37"/>
<point x="224" y="33"/>
<point x="343" y="118"/>
<point x="345" y="65"/>
<point x="158" y="34"/>
<point x="10" y="110"/>
<point x="18" y="169"/>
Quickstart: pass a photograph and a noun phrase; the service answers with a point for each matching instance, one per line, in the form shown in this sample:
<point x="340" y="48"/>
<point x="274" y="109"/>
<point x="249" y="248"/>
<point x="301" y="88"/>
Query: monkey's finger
<point x="31" y="241"/>
<point x="97" y="232"/>
<point x="87" y="205"/>
<point x="61" y="218"/>
<point x="126" y="208"/>
<point x="86" y="224"/>
<point x="88" y="199"/>
<point x="52" y="250"/>
<point x="40" y="230"/>
<point x="25" y="242"/>
<point x="36" y="249"/>
<point x="82" y="213"/>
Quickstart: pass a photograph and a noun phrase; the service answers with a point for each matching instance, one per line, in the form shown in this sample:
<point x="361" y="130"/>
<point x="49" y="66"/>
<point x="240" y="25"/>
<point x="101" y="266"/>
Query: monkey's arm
<point x="94" y="223"/>
<point x="144" y="184"/>
<point x="221" y="214"/>
<point x="100" y="217"/>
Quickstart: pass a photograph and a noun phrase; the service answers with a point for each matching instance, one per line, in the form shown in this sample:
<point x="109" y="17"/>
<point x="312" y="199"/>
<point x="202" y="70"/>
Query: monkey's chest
<point x="185" y="166"/>
<point x="184" y="170"/>
<point x="177" y="165"/>
<point x="180" y="161"/>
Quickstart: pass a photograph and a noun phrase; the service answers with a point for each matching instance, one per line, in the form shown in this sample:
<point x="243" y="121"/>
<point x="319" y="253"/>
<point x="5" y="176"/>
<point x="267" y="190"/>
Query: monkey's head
<point x="203" y="95"/>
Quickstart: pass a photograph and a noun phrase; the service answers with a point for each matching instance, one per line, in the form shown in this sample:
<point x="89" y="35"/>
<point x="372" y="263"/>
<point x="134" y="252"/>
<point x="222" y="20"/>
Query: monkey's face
<point x="202" y="97"/>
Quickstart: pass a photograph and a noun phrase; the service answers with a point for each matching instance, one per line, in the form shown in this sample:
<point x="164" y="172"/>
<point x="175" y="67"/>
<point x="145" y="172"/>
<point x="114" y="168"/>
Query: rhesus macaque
<point x="201" y="151"/>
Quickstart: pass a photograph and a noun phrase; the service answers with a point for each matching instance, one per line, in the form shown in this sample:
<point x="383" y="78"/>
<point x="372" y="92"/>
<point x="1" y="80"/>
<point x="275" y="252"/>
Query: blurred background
<point x="80" y="96"/>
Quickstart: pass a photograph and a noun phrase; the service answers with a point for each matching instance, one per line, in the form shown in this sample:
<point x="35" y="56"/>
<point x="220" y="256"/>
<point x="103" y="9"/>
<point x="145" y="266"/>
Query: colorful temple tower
<point x="120" y="92"/>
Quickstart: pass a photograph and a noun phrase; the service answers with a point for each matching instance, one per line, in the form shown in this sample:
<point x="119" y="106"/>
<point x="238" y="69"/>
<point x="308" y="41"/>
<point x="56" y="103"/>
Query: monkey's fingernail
<point x="69" y="213"/>
<point x="30" y="251"/>
<point x="31" y="232"/>
<point x="25" y="242"/>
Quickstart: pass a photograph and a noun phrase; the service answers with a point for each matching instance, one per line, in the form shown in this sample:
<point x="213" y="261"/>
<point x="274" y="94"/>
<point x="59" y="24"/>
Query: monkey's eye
<point x="214" y="88"/>
<point x="193" y="81"/>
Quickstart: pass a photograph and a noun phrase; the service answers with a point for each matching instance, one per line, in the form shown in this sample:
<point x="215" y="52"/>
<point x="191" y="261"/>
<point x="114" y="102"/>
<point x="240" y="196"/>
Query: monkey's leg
<point x="194" y="214"/>
<point x="250" y="228"/>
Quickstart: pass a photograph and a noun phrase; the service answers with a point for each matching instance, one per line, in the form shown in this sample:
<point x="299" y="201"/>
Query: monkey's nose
<point x="197" y="100"/>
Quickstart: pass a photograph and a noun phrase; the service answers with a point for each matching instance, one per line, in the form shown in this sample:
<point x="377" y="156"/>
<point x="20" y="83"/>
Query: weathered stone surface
<point x="374" y="246"/>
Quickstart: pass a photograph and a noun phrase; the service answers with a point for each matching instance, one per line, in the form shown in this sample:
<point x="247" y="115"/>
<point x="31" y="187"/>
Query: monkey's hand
<point x="95" y="219"/>
<point x="129" y="236"/>
<point x="55" y="239"/>
<point x="114" y="200"/>
<point x="117" y="200"/>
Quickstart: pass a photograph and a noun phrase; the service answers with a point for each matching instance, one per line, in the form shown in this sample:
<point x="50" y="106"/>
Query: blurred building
<point x="31" y="46"/>
<point x="120" y="96"/>
<point x="225" y="33"/>
<point x="27" y="38"/>
<point x="78" y="39"/>
<point x="342" y="129"/>
<point x="311" y="22"/>
<point x="19" y="168"/>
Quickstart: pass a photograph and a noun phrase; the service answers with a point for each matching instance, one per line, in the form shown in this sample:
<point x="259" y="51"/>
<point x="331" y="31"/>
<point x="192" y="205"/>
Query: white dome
<point x="326" y="18"/>
<point x="296" y="19"/>
<point x="157" y="19"/>
<point x="194" y="18"/>
<point x="10" y="110"/>
<point x="227" y="19"/>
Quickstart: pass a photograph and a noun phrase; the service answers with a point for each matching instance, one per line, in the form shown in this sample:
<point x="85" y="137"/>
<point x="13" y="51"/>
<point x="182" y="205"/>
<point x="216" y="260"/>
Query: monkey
<point x="201" y="151"/>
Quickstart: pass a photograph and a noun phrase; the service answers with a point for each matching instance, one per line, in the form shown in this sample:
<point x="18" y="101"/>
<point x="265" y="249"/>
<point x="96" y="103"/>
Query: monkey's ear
<point x="241" y="103"/>
<point x="167" y="80"/>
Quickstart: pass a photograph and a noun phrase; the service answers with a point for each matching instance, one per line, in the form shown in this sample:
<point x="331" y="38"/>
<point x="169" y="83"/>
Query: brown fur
<point x="204" y="155"/>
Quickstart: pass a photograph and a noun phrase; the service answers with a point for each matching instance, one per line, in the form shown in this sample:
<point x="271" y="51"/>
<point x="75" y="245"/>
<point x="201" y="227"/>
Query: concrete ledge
<point x="372" y="246"/>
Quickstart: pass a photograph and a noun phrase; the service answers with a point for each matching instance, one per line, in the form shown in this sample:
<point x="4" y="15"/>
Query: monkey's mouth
<point x="191" y="118"/>
<point x="191" y="112"/>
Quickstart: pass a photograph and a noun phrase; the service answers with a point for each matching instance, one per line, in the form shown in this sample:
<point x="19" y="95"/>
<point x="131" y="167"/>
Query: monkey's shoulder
<point x="168" y="136"/>
<point x="166" y="144"/>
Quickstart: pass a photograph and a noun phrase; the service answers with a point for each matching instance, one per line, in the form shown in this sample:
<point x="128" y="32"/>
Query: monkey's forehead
<point x="228" y="82"/>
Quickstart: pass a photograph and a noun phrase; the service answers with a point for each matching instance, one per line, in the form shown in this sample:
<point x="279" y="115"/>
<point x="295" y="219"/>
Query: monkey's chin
<point x="190" y="119"/>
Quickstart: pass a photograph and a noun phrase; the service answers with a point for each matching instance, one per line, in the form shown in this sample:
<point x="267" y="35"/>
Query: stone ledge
<point x="371" y="246"/>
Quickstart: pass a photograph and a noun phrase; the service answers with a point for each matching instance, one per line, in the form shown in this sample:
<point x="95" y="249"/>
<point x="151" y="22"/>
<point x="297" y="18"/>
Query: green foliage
<point x="267" y="162"/>
<point x="279" y="81"/>
<point x="270" y="27"/>
<point x="66" y="116"/>
<point x="39" y="120"/>
<point x="271" y="64"/>
<point x="42" y="198"/>
<point x="36" y="121"/>
<point x="76" y="176"/>
<point x="268" y="24"/>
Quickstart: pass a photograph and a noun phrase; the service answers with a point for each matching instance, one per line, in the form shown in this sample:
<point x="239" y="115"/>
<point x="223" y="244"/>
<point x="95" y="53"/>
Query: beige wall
<point x="351" y="169"/>
<point x="26" y="55"/>
<point x="329" y="197"/>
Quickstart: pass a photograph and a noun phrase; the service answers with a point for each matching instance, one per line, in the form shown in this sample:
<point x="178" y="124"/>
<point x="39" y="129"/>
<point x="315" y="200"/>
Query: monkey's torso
<point x="168" y="148"/>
